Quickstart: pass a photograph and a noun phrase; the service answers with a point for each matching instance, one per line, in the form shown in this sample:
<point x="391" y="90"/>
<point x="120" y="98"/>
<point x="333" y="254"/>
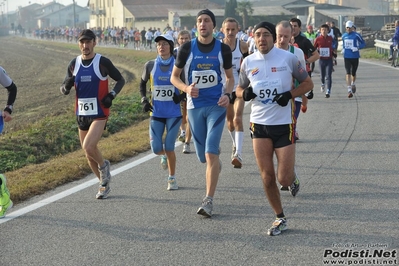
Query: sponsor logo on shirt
<point x="204" y="66"/>
<point x="85" y="78"/>
<point x="211" y="57"/>
<point x="254" y="71"/>
<point x="300" y="67"/>
<point x="279" y="69"/>
<point x="164" y="78"/>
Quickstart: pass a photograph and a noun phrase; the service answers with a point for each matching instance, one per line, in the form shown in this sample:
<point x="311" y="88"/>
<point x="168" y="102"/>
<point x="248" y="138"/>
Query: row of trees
<point x="242" y="9"/>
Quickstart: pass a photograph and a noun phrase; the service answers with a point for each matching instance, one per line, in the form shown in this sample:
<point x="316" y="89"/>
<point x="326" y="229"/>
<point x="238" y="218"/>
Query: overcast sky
<point x="13" y="4"/>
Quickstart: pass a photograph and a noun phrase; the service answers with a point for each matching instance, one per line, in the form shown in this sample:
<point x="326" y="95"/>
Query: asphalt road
<point x="347" y="209"/>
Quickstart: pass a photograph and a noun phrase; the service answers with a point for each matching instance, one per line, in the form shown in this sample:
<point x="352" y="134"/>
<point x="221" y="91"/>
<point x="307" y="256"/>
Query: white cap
<point x="165" y="37"/>
<point x="349" y="24"/>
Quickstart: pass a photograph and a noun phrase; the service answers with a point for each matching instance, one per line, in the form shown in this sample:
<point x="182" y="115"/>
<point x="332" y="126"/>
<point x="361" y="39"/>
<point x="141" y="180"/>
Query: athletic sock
<point x="232" y="134"/>
<point x="281" y="215"/>
<point x="239" y="139"/>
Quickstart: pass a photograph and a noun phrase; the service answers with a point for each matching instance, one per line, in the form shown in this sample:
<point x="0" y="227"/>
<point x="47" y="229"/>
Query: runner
<point x="352" y="42"/>
<point x="6" y="82"/>
<point x="88" y="73"/>
<point x="236" y="106"/>
<point x="207" y="66"/>
<point x="270" y="72"/>
<point x="164" y="105"/>
<point x="325" y="44"/>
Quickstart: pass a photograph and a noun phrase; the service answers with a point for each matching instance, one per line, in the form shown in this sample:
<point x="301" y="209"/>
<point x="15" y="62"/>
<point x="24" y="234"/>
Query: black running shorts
<point x="281" y="135"/>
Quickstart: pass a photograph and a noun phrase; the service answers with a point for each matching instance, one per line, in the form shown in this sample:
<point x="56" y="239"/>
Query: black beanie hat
<point x="209" y="13"/>
<point x="269" y="26"/>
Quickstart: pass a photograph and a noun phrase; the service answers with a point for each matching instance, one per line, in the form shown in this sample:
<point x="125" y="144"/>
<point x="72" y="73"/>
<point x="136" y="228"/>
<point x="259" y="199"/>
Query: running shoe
<point x="279" y="225"/>
<point x="327" y="95"/>
<point x="105" y="175"/>
<point x="322" y="87"/>
<point x="353" y="88"/>
<point x="182" y="137"/>
<point x="350" y="94"/>
<point x="237" y="161"/>
<point x="294" y="188"/>
<point x="390" y="58"/>
<point x="172" y="184"/>
<point x="103" y="192"/>
<point x="304" y="108"/>
<point x="282" y="188"/>
<point x="164" y="162"/>
<point x="5" y="208"/>
<point x="310" y="95"/>
<point x="206" y="208"/>
<point x="5" y="201"/>
<point x="186" y="148"/>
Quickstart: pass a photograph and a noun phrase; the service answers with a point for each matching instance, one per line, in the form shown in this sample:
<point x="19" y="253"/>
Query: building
<point x="52" y="14"/>
<point x="71" y="16"/>
<point x="140" y="13"/>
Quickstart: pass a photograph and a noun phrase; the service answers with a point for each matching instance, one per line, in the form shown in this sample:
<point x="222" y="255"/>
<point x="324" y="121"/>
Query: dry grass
<point x="36" y="179"/>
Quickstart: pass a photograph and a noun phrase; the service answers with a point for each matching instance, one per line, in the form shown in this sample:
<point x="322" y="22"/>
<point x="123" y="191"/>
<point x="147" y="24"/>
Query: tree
<point x="230" y="8"/>
<point x="244" y="9"/>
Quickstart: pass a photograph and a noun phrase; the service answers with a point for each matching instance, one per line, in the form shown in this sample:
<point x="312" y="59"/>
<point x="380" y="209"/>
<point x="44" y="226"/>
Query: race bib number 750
<point x="205" y="78"/>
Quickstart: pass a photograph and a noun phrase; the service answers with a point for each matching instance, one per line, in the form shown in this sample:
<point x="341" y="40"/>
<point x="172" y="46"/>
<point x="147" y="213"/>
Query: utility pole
<point x="6" y="13"/>
<point x="74" y="15"/>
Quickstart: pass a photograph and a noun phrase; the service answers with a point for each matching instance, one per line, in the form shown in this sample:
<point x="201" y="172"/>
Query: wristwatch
<point x="8" y="108"/>
<point x="228" y="95"/>
<point x="143" y="99"/>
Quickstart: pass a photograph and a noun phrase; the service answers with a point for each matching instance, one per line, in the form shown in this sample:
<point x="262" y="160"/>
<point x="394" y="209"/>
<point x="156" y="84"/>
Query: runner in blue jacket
<point x="352" y="42"/>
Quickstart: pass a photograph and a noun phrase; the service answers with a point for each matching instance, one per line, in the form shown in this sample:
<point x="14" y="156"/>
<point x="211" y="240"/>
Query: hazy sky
<point x="13" y="4"/>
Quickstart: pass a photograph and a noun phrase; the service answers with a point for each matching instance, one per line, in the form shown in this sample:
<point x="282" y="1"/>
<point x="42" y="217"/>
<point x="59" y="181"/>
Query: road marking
<point x="94" y="181"/>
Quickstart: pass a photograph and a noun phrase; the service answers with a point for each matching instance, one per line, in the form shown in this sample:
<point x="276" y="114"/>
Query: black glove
<point x="146" y="106"/>
<point x="107" y="100"/>
<point x="283" y="98"/>
<point x="310" y="95"/>
<point x="248" y="94"/>
<point x="178" y="98"/>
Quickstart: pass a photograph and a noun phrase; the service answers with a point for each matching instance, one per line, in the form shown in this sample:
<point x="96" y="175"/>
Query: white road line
<point x="75" y="189"/>
<point x="388" y="65"/>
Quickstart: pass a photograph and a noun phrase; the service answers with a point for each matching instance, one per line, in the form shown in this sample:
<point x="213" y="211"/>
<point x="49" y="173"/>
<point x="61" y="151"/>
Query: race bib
<point x="163" y="93"/>
<point x="325" y="52"/>
<point x="205" y="78"/>
<point x="87" y="106"/>
<point x="348" y="44"/>
<point x="266" y="90"/>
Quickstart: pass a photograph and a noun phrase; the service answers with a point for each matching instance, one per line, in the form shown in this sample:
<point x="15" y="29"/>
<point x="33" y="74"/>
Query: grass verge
<point x="40" y="154"/>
